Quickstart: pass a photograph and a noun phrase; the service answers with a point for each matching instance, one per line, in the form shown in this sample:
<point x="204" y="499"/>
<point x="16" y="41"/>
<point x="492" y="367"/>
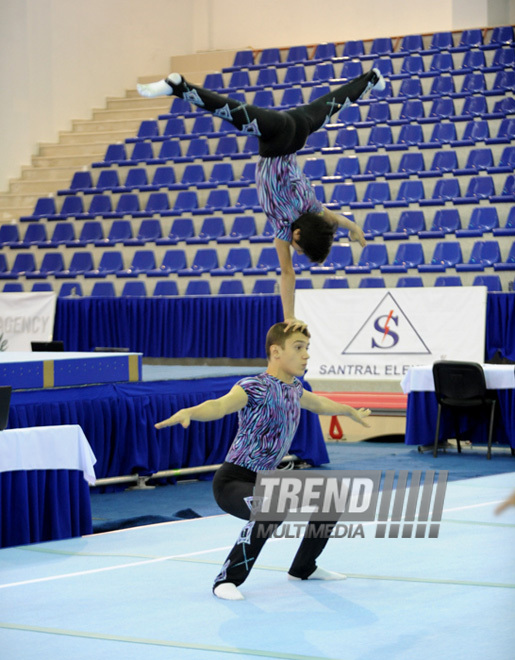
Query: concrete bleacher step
<point x="155" y="106"/>
<point x="31" y="187"/>
<point x="105" y="136"/>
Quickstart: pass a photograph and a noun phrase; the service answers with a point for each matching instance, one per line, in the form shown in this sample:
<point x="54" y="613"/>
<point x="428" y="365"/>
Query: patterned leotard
<point x="267" y="423"/>
<point x="284" y="193"/>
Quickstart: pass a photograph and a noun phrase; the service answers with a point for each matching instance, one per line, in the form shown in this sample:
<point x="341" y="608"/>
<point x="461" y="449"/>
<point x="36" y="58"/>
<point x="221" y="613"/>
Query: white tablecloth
<point x="47" y="448"/>
<point x="497" y="377"/>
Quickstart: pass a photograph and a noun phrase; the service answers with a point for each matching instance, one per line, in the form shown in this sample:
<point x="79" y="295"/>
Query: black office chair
<point x="462" y="385"/>
<point x="5" y="402"/>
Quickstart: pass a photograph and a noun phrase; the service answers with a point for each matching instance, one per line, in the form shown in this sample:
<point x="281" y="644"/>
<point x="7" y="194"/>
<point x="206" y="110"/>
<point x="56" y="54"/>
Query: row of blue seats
<point x="347" y="167"/>
<point x="472" y="38"/>
<point x="235" y="287"/>
<point x="446" y="254"/>
<point x="379" y="136"/>
<point x="412" y="65"/>
<point x="483" y="219"/>
<point x="412" y="110"/>
<point x="445" y="190"/>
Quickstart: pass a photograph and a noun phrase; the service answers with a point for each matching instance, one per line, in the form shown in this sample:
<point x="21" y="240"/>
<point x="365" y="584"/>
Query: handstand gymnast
<point x="269" y="407"/>
<point x="285" y="194"/>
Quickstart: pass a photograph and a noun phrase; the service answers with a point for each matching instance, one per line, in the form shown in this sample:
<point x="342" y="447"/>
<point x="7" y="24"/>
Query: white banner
<point x="380" y="333"/>
<point x="26" y="317"/>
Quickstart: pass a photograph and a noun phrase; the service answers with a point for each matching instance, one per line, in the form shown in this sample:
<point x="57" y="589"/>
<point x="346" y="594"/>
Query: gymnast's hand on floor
<point x="182" y="417"/>
<point x="359" y="416"/>
<point x="356" y="234"/>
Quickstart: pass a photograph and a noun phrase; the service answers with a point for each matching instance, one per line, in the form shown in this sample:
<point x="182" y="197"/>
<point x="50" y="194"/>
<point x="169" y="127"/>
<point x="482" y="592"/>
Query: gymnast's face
<point x="293" y="358"/>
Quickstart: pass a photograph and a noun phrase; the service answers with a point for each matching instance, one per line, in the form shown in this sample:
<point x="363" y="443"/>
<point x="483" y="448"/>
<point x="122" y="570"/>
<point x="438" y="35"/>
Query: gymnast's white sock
<point x="228" y="591"/>
<point x="159" y="88"/>
<point x="321" y="574"/>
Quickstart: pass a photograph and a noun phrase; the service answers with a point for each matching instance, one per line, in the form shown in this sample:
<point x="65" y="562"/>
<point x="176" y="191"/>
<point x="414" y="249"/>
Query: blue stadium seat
<point x="410" y="163"/>
<point x="292" y="97"/>
<point x="295" y="75"/>
<point x="166" y="288"/>
<point x="63" y="233"/>
<point x="410" y="192"/>
<point x="115" y="153"/>
<point x="442" y="108"/>
<point x="91" y="232"/>
<point x="318" y="141"/>
<point x="509" y="264"/>
<point x="351" y="69"/>
<point x="227" y="147"/>
<point x="243" y="58"/>
<point x="442" y="86"/>
<point x="142" y="153"/>
<point x="346" y="138"/>
<point x="473" y="83"/>
<point x="213" y="81"/>
<point x="45" y="208"/>
<point x="128" y="205"/>
<point x="239" y="80"/>
<point x="483" y="219"/>
<point x="247" y="201"/>
<point x="410" y="88"/>
<point x="411" y="110"/>
<point x="408" y="282"/>
<point x="371" y="283"/>
<point x="13" y="287"/>
<point x="410" y="135"/>
<point x="198" y="288"/>
<point x="51" y="264"/>
<point x="507" y="193"/>
<point x="212" y="228"/>
<point x="377" y="165"/>
<point x="376" y="224"/>
<point x="164" y="177"/>
<point x="473" y="60"/>
<point x="442" y="40"/>
<point x="446" y="255"/>
<point x="203" y="126"/>
<point x="441" y="63"/>
<point x="314" y="168"/>
<point x="80" y="264"/>
<point x="266" y="236"/>
<point x="197" y="148"/>
<point x="506" y="162"/>
<point x="444" y="160"/>
<point x="324" y="51"/>
<point x="148" y="129"/>
<point x="103" y="290"/>
<point x="492" y="282"/>
<point x="134" y="289"/>
<point x="34" y="235"/>
<point x="503" y="58"/>
<point x="205" y="260"/>
<point x="350" y="116"/>
<point x="377" y="192"/>
<point x="339" y="258"/>
<point x="372" y="257"/>
<point x="149" y="231"/>
<point x="471" y="38"/>
<point x="479" y="187"/>
<point x="193" y="174"/>
<point x="504" y="82"/>
<point x="81" y="182"/>
<point x="173" y="262"/>
<point x="411" y="43"/>
<point x="410" y="223"/>
<point x="268" y="261"/>
<point x="408" y="255"/>
<point x="217" y="200"/>
<point x="448" y="280"/>
<point x="385" y="66"/>
<point x="474" y="106"/>
<point x="120" y="231"/>
<point x="170" y="150"/>
<point x="142" y="262"/>
<point x="247" y="178"/>
<point x="477" y="160"/>
<point x="244" y="226"/>
<point x="270" y="56"/>
<point x="484" y="254"/>
<point x="381" y="46"/>
<point x="181" y="230"/>
<point x="380" y="136"/>
<point x="231" y="288"/>
<point x="42" y="286"/>
<point x="318" y="91"/>
<point x="509" y="227"/>
<point x="445" y="221"/>
<point x="413" y="65"/>
<point x="300" y="262"/>
<point x="502" y="35"/>
<point x="386" y="93"/>
<point x="353" y="48"/>
<point x="336" y="283"/>
<point x="136" y="180"/>
<point x="445" y="190"/>
<point x="238" y="259"/>
<point x="303" y="283"/>
<point x="324" y="72"/>
<point x="347" y="167"/>
<point x="8" y="235"/>
<point x="506" y="132"/>
<point x="111" y="263"/>
<point x="475" y="131"/>
<point x="297" y="54"/>
<point x="70" y="289"/>
<point x="221" y="174"/>
<point x="185" y="202"/>
<point x="250" y="148"/>
<point x="267" y="286"/>
<point x="343" y="194"/>
<point x="157" y="204"/>
<point x="71" y="208"/>
<point x="264" y="98"/>
<point x="174" y="127"/>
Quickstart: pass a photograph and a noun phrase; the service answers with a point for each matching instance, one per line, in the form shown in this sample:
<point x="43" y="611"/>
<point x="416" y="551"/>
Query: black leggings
<point x="233" y="487"/>
<point x="280" y="132"/>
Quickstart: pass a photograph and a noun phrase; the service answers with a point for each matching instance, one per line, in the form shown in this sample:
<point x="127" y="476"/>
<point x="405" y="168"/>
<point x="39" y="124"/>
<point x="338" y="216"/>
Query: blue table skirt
<point x="423" y="409"/>
<point x="43" y="505"/>
<point x="212" y="327"/>
<point x="118" y="421"/>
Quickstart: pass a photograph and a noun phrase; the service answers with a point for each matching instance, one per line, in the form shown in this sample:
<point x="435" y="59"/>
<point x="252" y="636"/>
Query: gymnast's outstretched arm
<point x="324" y="406"/>
<point x="209" y="410"/>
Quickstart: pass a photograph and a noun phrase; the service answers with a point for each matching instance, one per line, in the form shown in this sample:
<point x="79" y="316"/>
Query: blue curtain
<point x="500" y="325"/>
<point x="43" y="505"/>
<point x="118" y="421"/>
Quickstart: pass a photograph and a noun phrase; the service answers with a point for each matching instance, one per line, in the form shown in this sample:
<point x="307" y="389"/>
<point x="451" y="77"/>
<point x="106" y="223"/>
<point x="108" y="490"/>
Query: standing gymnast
<point x="269" y="410"/>
<point x="285" y="194"/>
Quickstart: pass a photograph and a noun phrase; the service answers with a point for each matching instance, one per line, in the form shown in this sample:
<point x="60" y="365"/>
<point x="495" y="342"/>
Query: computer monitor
<point x="47" y="346"/>
<point x="5" y="401"/>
